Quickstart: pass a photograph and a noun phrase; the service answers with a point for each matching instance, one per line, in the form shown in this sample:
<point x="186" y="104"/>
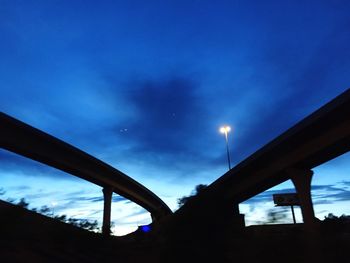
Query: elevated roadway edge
<point x="25" y="140"/>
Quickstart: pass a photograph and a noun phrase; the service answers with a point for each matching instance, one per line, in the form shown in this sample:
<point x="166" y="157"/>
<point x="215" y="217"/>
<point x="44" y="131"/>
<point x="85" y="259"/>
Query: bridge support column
<point x="235" y="209"/>
<point x="154" y="217"/>
<point x="238" y="218"/>
<point x="106" y="225"/>
<point x="302" y="183"/>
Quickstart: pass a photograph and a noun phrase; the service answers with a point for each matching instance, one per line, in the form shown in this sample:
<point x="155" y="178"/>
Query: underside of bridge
<point x="25" y="140"/>
<point x="317" y="139"/>
<point x="213" y="214"/>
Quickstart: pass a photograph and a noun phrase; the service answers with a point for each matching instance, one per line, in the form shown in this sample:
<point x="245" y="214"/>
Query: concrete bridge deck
<point x="25" y="140"/>
<point x="320" y="137"/>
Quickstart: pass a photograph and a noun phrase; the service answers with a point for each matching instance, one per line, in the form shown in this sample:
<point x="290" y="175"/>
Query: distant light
<point x="225" y="129"/>
<point x="146" y="228"/>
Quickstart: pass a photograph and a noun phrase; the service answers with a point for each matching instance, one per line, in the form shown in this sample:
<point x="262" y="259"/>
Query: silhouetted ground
<point x="26" y="236"/>
<point x="30" y="237"/>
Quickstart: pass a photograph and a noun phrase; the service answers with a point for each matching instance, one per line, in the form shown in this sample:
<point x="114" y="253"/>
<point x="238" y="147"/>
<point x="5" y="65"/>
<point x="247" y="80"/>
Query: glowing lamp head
<point x="225" y="129"/>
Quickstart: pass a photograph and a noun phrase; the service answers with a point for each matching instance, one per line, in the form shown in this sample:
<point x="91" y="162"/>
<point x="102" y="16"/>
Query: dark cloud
<point x="168" y="112"/>
<point x="68" y="203"/>
<point x="322" y="201"/>
<point x="343" y="195"/>
<point x="169" y="123"/>
<point x="327" y="187"/>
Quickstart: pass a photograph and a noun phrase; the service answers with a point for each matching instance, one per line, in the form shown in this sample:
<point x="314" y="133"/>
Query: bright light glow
<point x="225" y="129"/>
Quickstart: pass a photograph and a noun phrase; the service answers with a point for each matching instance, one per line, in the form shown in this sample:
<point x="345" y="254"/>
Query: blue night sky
<point x="145" y="86"/>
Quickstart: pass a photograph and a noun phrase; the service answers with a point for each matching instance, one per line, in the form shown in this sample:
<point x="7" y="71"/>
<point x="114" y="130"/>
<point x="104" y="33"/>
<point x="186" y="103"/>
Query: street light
<point x="225" y="130"/>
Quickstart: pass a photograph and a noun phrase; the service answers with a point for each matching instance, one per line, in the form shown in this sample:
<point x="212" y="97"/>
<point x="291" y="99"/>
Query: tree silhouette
<point x="198" y="189"/>
<point x="341" y="219"/>
<point x="22" y="203"/>
<point x="45" y="210"/>
<point x="82" y="223"/>
<point x="62" y="218"/>
<point x="274" y="217"/>
<point x="335" y="224"/>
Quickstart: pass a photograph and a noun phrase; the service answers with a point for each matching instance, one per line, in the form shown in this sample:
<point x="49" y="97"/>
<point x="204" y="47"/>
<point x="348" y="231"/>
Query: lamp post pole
<point x="237" y="217"/>
<point x="225" y="130"/>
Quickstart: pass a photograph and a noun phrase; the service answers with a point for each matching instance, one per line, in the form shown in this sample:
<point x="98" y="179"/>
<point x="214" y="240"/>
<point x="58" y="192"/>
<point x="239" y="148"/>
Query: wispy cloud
<point x="16" y="164"/>
<point x="95" y="199"/>
<point x="267" y="196"/>
<point x="346" y="183"/>
<point x="321" y="194"/>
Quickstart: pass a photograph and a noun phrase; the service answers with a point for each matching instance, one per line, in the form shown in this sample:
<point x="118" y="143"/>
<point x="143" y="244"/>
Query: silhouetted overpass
<point x="320" y="137"/>
<point x="23" y="139"/>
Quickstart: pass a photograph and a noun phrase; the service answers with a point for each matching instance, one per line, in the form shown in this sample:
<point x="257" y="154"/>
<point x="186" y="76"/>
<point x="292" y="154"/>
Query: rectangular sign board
<point x="286" y="199"/>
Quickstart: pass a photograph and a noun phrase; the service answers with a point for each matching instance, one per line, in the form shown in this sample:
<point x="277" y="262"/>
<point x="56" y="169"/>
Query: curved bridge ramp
<point x="25" y="140"/>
